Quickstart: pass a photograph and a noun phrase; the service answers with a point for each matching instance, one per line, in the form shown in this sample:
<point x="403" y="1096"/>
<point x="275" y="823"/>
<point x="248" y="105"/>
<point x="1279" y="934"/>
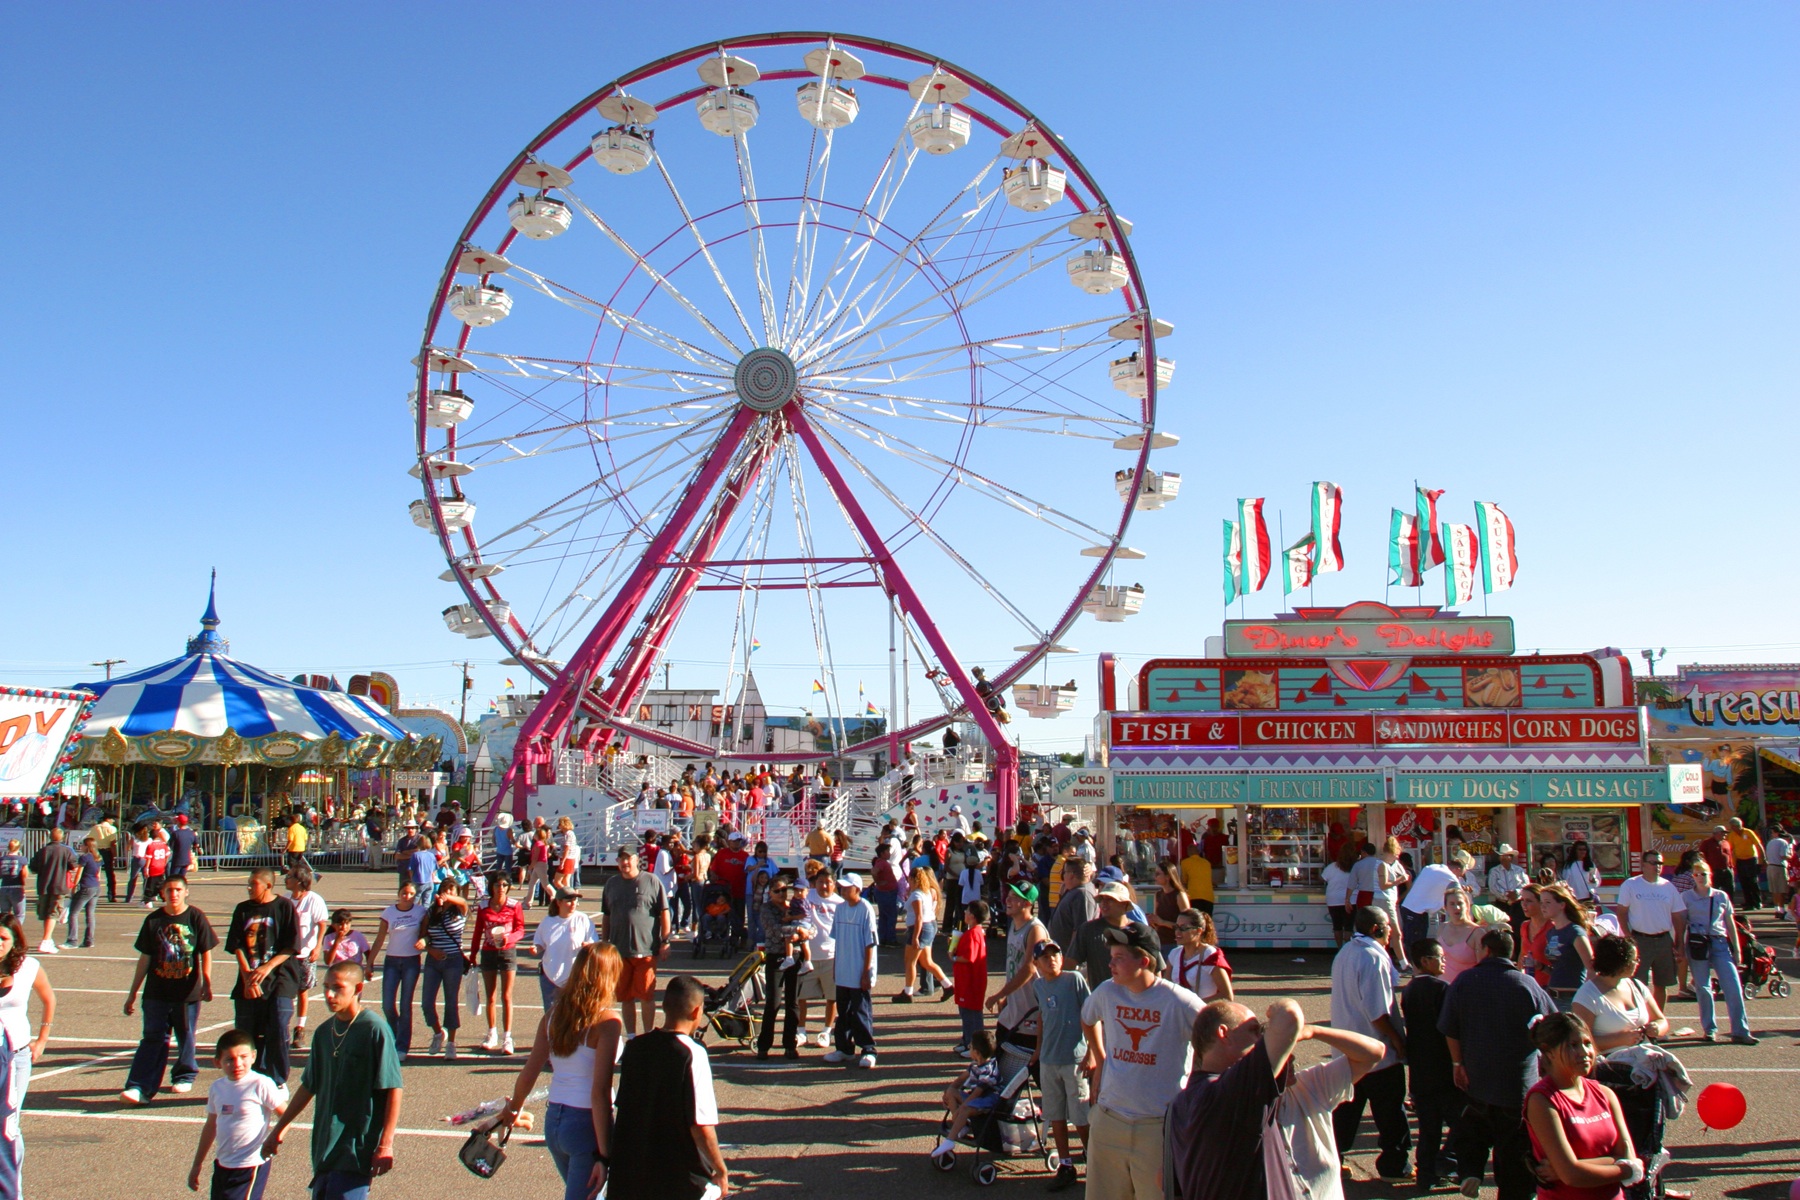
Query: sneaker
<point x="506" y="1045"/>
<point x="806" y="967"/>
<point x="71" y="946"/>
<point x="791" y="1052"/>
<point x="903" y="998"/>
<point x="835" y="1056"/>
<point x="131" y="1096"/>
<point x="437" y="1044"/>
<point x="1065" y="1177"/>
<point x="297" y="1039"/>
<point x="450" y="1052"/>
<point x="493" y="1040"/>
<point x="824" y="1039"/>
<point x="866" y="1062"/>
<point x="787" y="962"/>
<point x="946" y="993"/>
<point x="961" y="1049"/>
<point x="1745" y="1040"/>
<point x="1471" y="1187"/>
<point x="48" y="947"/>
<point x="182" y="1088"/>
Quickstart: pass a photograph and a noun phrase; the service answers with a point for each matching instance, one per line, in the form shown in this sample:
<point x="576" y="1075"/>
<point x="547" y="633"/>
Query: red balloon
<point x="1721" y="1106"/>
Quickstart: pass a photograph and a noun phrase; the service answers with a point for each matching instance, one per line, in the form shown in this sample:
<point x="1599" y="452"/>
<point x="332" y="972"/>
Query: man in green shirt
<point x="354" y="1070"/>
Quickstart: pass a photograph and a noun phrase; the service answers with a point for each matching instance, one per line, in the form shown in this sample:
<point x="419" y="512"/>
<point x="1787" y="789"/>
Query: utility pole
<point x="462" y="713"/>
<point x="1650" y="656"/>
<point x="108" y="663"/>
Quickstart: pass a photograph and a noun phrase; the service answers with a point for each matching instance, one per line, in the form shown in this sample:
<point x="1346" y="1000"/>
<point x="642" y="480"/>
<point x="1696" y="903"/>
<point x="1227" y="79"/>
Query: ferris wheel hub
<point x="765" y="379"/>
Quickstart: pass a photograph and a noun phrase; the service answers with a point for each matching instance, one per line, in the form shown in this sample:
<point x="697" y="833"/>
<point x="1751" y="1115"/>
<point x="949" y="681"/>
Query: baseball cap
<point x="1045" y="947"/>
<point x="1136" y="936"/>
<point x="1114" y="890"/>
<point x="956" y="808"/>
<point x="850" y="879"/>
<point x="736" y="839"/>
<point x="1109" y="874"/>
<point x="563" y="893"/>
<point x="181" y="818"/>
<point x="1025" y="891"/>
<point x="626" y="850"/>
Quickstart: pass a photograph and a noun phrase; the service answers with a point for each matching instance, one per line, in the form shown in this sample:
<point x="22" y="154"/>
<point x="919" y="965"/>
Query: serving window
<point x="1549" y="832"/>
<point x="1289" y="847"/>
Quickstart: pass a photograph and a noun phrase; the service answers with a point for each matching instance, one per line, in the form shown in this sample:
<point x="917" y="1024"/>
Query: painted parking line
<point x="171" y="1119"/>
<point x="110" y="1056"/>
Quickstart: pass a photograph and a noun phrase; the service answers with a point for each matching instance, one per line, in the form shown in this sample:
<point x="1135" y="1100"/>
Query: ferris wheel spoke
<point x="999" y="417"/>
<point x="634" y="422"/>
<point x="705" y="249"/>
<point x="799" y="288"/>
<point x="656" y="276"/>
<point x="931" y="534"/>
<point x="629" y="323"/>
<point x="1012" y="340"/>
<point x="550" y="370"/>
<point x="1026" y="372"/>
<point x="753" y="227"/>
<point x="980" y="483"/>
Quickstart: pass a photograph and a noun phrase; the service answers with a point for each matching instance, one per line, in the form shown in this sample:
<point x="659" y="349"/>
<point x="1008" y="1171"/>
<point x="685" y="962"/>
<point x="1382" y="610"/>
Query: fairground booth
<point x="1300" y="734"/>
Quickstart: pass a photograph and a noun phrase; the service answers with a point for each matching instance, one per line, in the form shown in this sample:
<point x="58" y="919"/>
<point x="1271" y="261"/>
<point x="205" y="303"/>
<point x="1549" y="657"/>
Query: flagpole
<point x="1281" y="537"/>
<point x="1419" y="588"/>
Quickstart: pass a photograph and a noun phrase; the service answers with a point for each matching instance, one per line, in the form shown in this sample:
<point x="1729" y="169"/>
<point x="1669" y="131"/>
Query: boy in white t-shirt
<point x="241" y="1108"/>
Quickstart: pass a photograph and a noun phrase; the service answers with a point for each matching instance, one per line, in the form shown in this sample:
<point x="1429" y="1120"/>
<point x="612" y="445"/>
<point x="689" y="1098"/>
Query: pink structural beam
<point x="1006" y="776"/>
<point x="537" y="738"/>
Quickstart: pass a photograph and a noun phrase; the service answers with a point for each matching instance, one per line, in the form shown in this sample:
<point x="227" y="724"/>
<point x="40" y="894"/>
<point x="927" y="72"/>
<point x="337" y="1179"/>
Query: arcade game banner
<point x="37" y="727"/>
<point x="1741" y="725"/>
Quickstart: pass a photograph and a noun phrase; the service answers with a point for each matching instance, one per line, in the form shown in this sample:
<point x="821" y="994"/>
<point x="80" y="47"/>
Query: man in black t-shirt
<point x="174" y="969"/>
<point x="50" y="866"/>
<point x="1215" y="1124"/>
<point x="181" y="847"/>
<point x="265" y="937"/>
<point x="665" y="1143"/>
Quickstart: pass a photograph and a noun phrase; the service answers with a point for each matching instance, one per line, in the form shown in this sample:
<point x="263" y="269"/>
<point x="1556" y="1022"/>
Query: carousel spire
<point x="208" y="641"/>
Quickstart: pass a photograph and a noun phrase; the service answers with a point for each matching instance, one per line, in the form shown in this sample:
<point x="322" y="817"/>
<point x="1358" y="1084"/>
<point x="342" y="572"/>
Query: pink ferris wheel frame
<point x="730" y="468"/>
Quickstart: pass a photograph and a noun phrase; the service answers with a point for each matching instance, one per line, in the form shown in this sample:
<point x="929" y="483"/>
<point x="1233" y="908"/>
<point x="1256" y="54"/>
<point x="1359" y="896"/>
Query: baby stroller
<point x="1644" y="1120"/>
<point x="1013" y="1128"/>
<point x="1758" y="967"/>
<point x="734" y="1007"/>
<point x="715" y="922"/>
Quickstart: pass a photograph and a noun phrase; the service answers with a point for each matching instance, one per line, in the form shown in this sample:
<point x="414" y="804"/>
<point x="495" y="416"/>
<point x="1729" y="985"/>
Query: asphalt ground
<point x="789" y="1129"/>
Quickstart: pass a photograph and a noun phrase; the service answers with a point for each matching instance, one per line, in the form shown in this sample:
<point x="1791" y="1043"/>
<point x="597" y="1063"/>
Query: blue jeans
<point x="1719" y="961"/>
<point x="14" y="1079"/>
<point x="81" y="916"/>
<point x="973" y="1022"/>
<point x="160" y="1016"/>
<point x="399" y="980"/>
<point x="855" y="1032"/>
<point x="548" y="991"/>
<point x="137" y="873"/>
<point x="266" y="1020"/>
<point x="340" y="1185"/>
<point x="569" y="1136"/>
<point x="887" y="911"/>
<point x="447" y="974"/>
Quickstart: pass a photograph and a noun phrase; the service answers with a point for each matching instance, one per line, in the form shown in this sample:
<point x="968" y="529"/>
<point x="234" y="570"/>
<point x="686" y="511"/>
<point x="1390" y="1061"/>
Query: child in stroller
<point x="715" y="921"/>
<point x="1758" y="966"/>
<point x="977" y="1091"/>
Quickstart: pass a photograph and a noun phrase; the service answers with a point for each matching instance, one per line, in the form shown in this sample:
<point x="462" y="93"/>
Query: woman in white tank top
<point x="20" y="979"/>
<point x="582" y="1037"/>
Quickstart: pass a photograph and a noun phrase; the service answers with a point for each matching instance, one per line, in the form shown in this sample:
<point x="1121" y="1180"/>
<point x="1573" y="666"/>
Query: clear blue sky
<point x="1541" y="254"/>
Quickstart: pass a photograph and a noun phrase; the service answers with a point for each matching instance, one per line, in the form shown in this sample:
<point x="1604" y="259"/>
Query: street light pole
<point x="1650" y="656"/>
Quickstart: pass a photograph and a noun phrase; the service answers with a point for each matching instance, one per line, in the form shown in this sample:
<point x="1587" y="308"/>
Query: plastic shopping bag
<point x="472" y="996"/>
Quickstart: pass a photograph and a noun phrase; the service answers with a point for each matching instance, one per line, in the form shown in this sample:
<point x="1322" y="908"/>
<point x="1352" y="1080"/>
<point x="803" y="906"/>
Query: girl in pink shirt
<point x="1577" y="1128"/>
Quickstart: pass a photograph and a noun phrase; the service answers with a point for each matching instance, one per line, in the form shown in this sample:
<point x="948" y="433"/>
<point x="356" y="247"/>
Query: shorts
<point x="240" y="1183"/>
<point x="309" y="974"/>
<point x="48" y="907"/>
<point x="499" y="960"/>
<point x="637" y="979"/>
<point x="927" y="935"/>
<point x="816" y="984"/>
<point x="1656" y="957"/>
<point x="1064" y="1093"/>
<point x="981" y="1103"/>
<point x="1342" y="919"/>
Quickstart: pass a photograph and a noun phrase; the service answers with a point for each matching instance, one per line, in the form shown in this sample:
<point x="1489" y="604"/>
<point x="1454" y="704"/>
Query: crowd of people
<point x="1486" y="1021"/>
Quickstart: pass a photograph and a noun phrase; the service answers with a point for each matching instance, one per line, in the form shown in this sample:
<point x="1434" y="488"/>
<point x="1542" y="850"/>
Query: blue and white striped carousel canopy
<point x="206" y="693"/>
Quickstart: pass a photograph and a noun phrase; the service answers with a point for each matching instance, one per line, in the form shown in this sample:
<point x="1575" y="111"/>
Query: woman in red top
<point x="1534" y="935"/>
<point x="499" y="925"/>
<point x="970" y="965"/>
<point x="1577" y="1128"/>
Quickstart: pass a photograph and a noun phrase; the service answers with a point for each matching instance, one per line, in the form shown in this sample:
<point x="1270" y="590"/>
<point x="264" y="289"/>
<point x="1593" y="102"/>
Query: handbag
<point x="1699" y="945"/>
<point x="484" y="1150"/>
<point x="1281" y="1179"/>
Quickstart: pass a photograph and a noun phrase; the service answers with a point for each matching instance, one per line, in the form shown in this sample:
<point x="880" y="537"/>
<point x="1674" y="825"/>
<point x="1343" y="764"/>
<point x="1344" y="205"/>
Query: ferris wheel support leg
<point x="550" y="719"/>
<point x="901" y="589"/>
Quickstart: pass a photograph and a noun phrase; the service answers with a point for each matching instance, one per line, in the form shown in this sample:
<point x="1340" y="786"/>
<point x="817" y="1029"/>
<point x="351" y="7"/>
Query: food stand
<point x="1323" y="728"/>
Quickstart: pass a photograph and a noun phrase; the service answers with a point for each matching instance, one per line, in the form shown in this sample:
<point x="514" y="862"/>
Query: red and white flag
<point x="1403" y="550"/>
<point x="1257" y="556"/>
<point x="1462" y="559"/>
<point x="1431" y="542"/>
<point x="1234" y="559"/>
<point x="1297" y="565"/>
<point x="1499" y="560"/>
<point x="1327" y="519"/>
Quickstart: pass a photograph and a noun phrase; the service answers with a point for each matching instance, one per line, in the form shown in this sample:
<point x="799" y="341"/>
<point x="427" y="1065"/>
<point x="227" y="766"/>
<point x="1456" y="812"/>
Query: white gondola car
<point x="462" y="618"/>
<point x="827" y="105"/>
<point x="1098" y="272"/>
<point x="444" y="408"/>
<point x="1128" y="374"/>
<point x="728" y="111"/>
<point x="939" y="130"/>
<point x="538" y="217"/>
<point x="1159" y="487"/>
<point x="457" y="513"/>
<point x="479" y="304"/>
<point x="441" y="468"/>
<point x="623" y="150"/>
<point x="1034" y="185"/>
<point x="1108" y="602"/>
<point x="1044" y="699"/>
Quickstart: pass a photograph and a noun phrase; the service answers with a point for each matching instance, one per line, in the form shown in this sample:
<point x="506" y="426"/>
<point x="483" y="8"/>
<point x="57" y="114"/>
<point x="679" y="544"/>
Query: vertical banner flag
<point x="1297" y="565"/>
<point x="1403" y="550"/>
<point x="1255" y="561"/>
<point x="1462" y="550"/>
<point x="1234" y="553"/>
<point x="1327" y="517"/>
<point x="1431" y="543"/>
<point x="1499" y="562"/>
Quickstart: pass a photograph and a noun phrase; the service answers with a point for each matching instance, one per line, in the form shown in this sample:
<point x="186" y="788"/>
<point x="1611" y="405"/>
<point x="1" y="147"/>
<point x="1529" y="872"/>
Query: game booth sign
<point x="1738" y="725"/>
<point x="1318" y="729"/>
<point x="38" y="728"/>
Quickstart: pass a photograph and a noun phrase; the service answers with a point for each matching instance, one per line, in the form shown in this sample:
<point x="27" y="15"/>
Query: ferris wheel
<point x="856" y="375"/>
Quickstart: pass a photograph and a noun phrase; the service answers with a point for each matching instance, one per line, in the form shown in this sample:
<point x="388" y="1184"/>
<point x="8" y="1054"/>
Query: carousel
<point x="230" y="743"/>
